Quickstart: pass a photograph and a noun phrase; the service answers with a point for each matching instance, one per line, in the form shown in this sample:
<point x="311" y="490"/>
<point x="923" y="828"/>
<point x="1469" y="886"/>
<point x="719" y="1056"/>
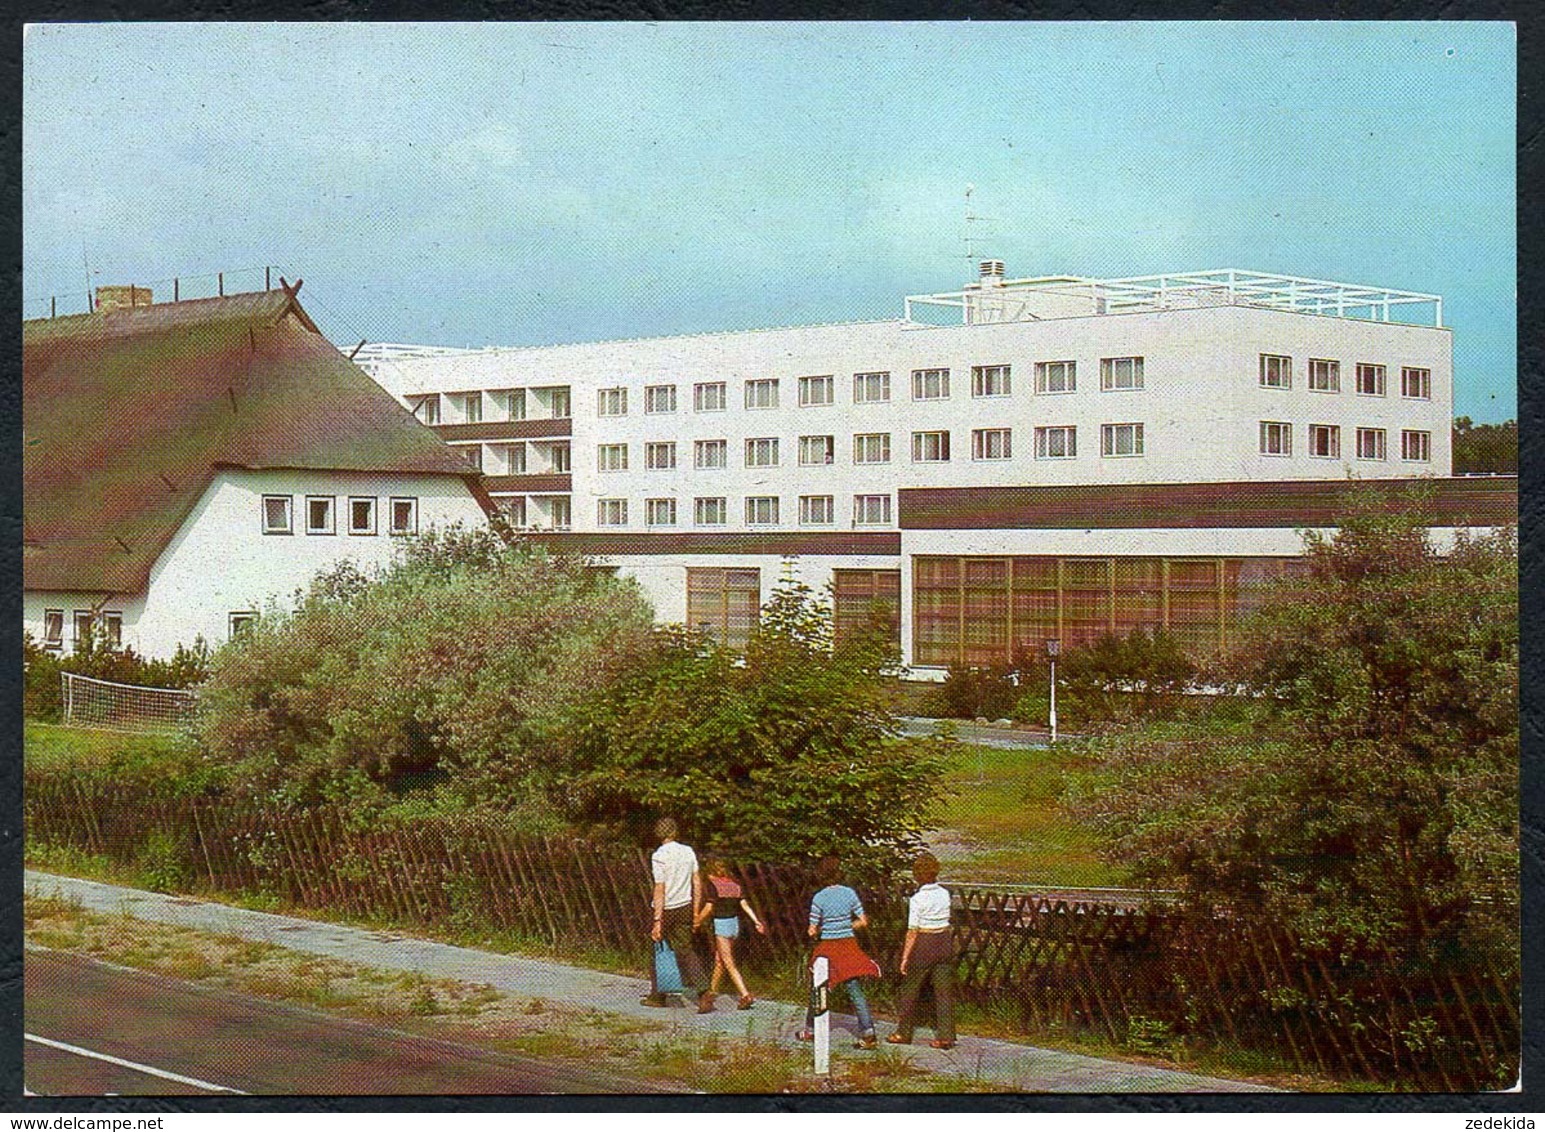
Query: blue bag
<point x="667" y="975"/>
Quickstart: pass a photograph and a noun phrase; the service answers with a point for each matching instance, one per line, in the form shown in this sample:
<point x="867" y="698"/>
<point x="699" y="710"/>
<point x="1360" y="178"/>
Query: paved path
<point x="1028" y="1068"/>
<point x="980" y="734"/>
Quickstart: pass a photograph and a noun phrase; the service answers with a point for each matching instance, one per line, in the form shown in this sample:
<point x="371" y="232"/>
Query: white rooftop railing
<point x="1019" y="300"/>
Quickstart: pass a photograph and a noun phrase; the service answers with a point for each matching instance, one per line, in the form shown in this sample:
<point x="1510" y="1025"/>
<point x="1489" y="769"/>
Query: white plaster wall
<point x="1201" y="403"/>
<point x="221" y="562"/>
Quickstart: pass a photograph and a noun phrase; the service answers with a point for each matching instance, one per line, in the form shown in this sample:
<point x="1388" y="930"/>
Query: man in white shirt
<point x="678" y="893"/>
<point x="927" y="956"/>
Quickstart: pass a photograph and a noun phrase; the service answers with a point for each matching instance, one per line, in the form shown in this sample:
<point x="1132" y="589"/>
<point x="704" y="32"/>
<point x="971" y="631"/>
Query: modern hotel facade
<point x="1016" y="461"/>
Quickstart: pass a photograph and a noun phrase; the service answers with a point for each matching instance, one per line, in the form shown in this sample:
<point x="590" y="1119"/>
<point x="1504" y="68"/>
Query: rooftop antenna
<point x="971" y="233"/>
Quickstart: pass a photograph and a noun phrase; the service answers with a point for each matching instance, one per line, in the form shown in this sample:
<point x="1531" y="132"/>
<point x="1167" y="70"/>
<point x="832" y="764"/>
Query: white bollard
<point x="823" y="1018"/>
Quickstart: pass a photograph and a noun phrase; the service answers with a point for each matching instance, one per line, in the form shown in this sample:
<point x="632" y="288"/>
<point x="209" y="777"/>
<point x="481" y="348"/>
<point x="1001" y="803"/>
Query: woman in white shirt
<point x="927" y="957"/>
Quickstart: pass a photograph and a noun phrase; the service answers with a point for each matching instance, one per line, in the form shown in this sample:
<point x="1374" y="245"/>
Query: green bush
<point x="989" y="691"/>
<point x="1364" y="789"/>
<point x="786" y="752"/>
<point x="447" y="676"/>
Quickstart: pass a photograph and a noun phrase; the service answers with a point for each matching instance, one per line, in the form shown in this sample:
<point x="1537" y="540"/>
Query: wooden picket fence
<point x="1128" y="969"/>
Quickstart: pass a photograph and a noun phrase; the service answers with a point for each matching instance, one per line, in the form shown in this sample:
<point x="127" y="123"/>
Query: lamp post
<point x="1053" y="648"/>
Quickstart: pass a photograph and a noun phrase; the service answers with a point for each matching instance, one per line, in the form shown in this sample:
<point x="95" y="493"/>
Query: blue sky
<point x="532" y="183"/>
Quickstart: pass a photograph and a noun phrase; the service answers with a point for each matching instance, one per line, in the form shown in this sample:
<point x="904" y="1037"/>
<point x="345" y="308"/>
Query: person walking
<point x="678" y="891"/>
<point x="927" y="957"/>
<point x="835" y="911"/>
<point x="725" y="902"/>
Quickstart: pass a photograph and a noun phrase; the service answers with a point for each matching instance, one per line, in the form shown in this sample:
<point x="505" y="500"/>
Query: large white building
<point x="186" y="463"/>
<point x="1019" y="460"/>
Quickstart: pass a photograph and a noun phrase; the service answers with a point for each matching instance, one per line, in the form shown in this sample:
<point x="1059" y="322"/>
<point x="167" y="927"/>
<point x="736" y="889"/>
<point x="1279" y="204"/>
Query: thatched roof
<point x="128" y="414"/>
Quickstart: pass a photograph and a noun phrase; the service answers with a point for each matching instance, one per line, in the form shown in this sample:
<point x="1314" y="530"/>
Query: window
<point x="1056" y="377"/>
<point x="561" y="404"/>
<point x="930" y="447"/>
<point x="473" y="454"/>
<point x="53" y="628"/>
<point x="472" y="407"/>
<point x="991" y="444"/>
<point x="1370" y="444"/>
<point x="514" y="459"/>
<point x="710" y="453"/>
<point x="816" y="390"/>
<point x="276" y="515"/>
<point x="709" y="511"/>
<point x="611" y="512"/>
<point x="659" y="512"/>
<point x="513" y="508"/>
<point x="816" y="510"/>
<point x="612" y="402"/>
<point x="1416" y="445"/>
<point x="1121" y="440"/>
<point x="362" y="515"/>
<point x="1324" y="375"/>
<point x="514" y="402"/>
<point x="870" y="388"/>
<point x="83" y="620"/>
<point x="112" y="627"/>
<point x="991" y="381"/>
<point x="930" y="384"/>
<point x="404" y="516"/>
<point x="1121" y="373"/>
<point x="1056" y="442"/>
<point x="869" y="510"/>
<point x="562" y="512"/>
<point x="708" y="397"/>
<point x="1324" y="440"/>
<point x="762" y="393"/>
<point x="762" y="452"/>
<point x="1276" y="438"/>
<point x="612" y="457"/>
<point x="563" y="458"/>
<point x="659" y="398"/>
<point x="241" y="623"/>
<point x="872" y="448"/>
<point x="660" y="454"/>
<point x="761" y="510"/>
<point x="1370" y="380"/>
<point x="724" y="602"/>
<point x="817" y="449"/>
<point x="1416" y="384"/>
<point x="864" y="599"/>
<point x="1276" y="371"/>
<point x="427" y="409"/>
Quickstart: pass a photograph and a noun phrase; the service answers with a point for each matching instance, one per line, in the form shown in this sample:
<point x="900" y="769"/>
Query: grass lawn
<point x="1006" y="824"/>
<point x="50" y="746"/>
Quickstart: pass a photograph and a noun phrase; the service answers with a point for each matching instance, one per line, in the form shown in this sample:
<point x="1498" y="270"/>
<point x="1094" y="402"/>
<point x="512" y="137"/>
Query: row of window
<point x="873" y="388"/>
<point x="321" y="513"/>
<point x="1051" y="442"/>
<point x="760" y="511"/>
<point x="509" y="405"/>
<point x="1325" y="440"/>
<point x="1324" y="376"/>
<point x="108" y="624"/>
<point x="558" y="511"/>
<point x="513" y="457"/>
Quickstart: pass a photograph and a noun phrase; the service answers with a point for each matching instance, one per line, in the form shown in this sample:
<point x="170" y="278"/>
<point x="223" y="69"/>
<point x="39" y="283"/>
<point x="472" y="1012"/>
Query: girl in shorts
<point x="725" y="901"/>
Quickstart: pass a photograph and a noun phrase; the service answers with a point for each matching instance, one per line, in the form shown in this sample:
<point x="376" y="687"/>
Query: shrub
<point x="1365" y="790"/>
<point x="447" y="674"/>
<point x="989" y="691"/>
<point x="785" y="753"/>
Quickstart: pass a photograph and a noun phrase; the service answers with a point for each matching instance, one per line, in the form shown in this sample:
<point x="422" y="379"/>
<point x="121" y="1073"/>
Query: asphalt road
<point x="94" y="1029"/>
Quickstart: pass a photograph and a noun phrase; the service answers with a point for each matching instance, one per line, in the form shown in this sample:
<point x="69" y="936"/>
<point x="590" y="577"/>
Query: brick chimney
<point x="119" y="297"/>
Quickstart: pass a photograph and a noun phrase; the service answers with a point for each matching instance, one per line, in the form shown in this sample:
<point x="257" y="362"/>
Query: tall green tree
<point x="1367" y="794"/>
<point x="1485" y="447"/>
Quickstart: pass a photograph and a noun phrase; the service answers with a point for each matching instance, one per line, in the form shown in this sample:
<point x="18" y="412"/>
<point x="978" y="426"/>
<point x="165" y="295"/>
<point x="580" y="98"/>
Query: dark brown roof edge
<point x="1457" y="501"/>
